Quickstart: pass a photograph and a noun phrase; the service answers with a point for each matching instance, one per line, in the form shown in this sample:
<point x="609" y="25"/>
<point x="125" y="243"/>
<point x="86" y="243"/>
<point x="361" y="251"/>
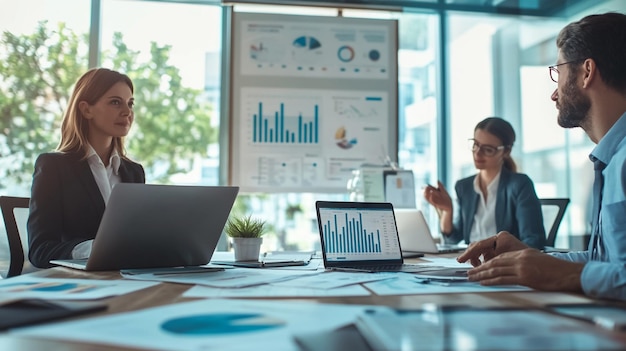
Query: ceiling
<point x="548" y="8"/>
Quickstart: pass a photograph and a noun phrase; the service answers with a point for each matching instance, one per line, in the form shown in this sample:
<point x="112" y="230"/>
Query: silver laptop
<point x="152" y="226"/>
<point x="360" y="236"/>
<point x="415" y="234"/>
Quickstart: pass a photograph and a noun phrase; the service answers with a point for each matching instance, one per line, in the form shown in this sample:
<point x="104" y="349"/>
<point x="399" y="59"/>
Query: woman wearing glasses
<point x="496" y="199"/>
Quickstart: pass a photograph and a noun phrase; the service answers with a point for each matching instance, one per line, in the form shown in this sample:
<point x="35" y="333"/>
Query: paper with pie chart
<point x="293" y="138"/>
<point x="205" y="325"/>
<point x="298" y="49"/>
<point x="25" y="286"/>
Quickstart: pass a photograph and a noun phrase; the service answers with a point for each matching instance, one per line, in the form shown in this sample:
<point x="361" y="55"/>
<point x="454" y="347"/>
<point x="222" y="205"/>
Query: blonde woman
<point x="72" y="185"/>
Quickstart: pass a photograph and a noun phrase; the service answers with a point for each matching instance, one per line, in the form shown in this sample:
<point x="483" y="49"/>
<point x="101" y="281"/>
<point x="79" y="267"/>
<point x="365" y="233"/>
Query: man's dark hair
<point x="601" y="38"/>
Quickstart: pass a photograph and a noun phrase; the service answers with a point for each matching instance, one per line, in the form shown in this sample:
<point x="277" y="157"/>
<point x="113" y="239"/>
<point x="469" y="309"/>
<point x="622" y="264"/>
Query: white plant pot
<point x="247" y="249"/>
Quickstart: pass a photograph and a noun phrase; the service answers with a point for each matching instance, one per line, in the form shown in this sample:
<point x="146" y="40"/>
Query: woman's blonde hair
<point x="90" y="87"/>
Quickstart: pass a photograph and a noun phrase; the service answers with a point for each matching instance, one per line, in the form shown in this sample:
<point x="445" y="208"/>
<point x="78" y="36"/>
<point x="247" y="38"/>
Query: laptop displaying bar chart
<point x="366" y="232"/>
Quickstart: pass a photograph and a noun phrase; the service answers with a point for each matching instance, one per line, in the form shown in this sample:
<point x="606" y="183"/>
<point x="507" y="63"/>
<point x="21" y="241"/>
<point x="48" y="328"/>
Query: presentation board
<point x="311" y="99"/>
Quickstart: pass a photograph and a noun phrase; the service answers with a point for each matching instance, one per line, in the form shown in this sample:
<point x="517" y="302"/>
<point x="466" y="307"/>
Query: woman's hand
<point x="438" y="197"/>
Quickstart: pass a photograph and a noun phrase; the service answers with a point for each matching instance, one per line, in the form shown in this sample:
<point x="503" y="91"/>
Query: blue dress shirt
<point x="604" y="275"/>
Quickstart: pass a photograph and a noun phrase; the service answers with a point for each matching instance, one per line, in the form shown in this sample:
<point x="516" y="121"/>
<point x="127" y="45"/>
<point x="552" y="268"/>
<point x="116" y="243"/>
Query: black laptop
<point x="360" y="236"/>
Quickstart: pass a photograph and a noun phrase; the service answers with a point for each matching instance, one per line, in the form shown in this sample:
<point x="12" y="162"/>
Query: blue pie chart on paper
<point x="221" y="324"/>
<point x="56" y="287"/>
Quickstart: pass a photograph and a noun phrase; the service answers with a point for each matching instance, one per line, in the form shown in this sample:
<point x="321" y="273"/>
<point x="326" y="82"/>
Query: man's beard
<point x="573" y="105"/>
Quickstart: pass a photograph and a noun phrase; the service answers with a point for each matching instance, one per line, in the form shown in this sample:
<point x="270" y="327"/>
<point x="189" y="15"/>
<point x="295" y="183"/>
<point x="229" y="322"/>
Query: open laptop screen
<point x="358" y="232"/>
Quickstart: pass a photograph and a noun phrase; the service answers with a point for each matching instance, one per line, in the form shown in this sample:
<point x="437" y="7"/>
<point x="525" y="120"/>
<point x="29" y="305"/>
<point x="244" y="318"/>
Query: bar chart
<point x="277" y="127"/>
<point x="345" y="234"/>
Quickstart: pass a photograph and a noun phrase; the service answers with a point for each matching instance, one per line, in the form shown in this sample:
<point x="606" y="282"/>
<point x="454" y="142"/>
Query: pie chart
<point x="341" y="139"/>
<point x="374" y="55"/>
<point x="306" y="42"/>
<point x="220" y="324"/>
<point x="345" y="53"/>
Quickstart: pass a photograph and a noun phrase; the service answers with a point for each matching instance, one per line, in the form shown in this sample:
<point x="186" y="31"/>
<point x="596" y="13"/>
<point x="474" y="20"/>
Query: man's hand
<point x="532" y="268"/>
<point x="490" y="248"/>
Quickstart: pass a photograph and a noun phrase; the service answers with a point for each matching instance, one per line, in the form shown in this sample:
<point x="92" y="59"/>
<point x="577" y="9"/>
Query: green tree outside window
<point x="37" y="72"/>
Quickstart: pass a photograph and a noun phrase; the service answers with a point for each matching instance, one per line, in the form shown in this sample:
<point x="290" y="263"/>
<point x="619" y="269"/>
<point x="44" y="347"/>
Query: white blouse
<point x="106" y="178"/>
<point x="484" y="225"/>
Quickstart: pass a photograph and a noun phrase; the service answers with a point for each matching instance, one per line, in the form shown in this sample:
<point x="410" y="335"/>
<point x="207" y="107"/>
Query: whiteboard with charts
<point x="311" y="99"/>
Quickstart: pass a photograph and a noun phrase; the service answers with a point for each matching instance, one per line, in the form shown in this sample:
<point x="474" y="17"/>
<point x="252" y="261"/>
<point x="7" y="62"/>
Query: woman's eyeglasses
<point x="487" y="150"/>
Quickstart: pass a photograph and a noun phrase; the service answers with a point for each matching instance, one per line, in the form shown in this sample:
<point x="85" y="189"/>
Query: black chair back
<point x="16" y="247"/>
<point x="561" y="205"/>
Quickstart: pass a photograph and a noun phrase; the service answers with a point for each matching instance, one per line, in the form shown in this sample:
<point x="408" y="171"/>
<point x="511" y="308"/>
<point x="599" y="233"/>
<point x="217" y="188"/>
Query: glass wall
<point x="176" y="68"/>
<point x="495" y="65"/>
<point x="498" y="67"/>
<point x="418" y="101"/>
<point x="35" y="37"/>
<point x="43" y="46"/>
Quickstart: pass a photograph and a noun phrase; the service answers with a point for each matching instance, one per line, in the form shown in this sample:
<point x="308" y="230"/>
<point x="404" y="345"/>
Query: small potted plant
<point x="246" y="235"/>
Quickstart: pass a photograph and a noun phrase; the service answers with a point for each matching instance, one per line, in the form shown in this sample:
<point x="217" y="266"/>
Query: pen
<point x="431" y="282"/>
<point x="279" y="263"/>
<point x="432" y="187"/>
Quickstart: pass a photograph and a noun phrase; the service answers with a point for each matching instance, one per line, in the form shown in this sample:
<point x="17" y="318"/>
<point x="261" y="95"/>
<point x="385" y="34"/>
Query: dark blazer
<point x="518" y="210"/>
<point x="66" y="205"/>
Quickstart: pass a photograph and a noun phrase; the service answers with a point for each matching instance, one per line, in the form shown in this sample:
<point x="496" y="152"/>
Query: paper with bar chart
<point x="359" y="234"/>
<point x="292" y="138"/>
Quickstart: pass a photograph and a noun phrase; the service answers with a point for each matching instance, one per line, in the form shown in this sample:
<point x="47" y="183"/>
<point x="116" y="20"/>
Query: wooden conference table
<point x="168" y="293"/>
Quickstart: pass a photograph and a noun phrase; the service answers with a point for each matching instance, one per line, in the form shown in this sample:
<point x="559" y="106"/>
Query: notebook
<point x="360" y="236"/>
<point x="151" y="226"/>
<point x="25" y="312"/>
<point x="415" y="234"/>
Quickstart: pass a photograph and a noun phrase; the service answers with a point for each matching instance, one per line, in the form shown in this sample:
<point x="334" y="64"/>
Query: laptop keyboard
<point x="384" y="267"/>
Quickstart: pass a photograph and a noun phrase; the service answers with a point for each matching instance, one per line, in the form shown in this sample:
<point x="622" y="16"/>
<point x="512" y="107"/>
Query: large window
<point x="418" y="113"/>
<point x="498" y="67"/>
<point x="43" y="46"/>
<point x="35" y="36"/>
<point x="172" y="52"/>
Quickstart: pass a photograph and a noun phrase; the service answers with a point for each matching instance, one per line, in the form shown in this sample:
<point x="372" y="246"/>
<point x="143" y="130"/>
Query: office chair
<point x="17" y="251"/>
<point x="548" y="206"/>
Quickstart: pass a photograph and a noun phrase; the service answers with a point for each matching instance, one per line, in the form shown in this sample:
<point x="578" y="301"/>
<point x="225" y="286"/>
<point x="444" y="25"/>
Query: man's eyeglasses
<point x="554" y="72"/>
<point x="487" y="150"/>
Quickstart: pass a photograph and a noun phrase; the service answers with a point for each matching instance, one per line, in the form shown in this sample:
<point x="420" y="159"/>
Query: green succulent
<point x="245" y="227"/>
